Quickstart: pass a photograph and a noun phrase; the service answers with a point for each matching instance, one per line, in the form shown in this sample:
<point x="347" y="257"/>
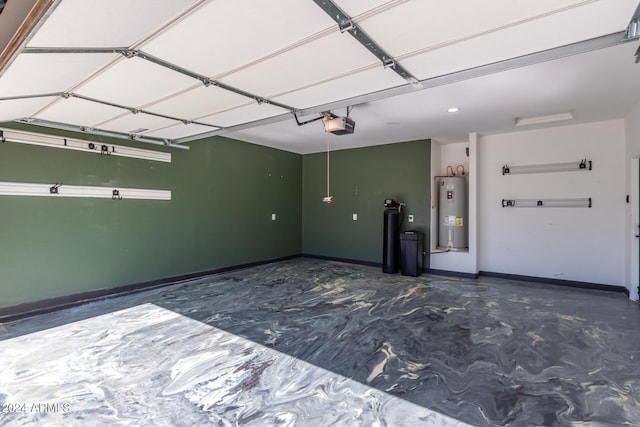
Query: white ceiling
<point x="291" y="54"/>
<point x="595" y="86"/>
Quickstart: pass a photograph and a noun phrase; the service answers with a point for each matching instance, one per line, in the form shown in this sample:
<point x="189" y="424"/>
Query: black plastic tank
<point x="391" y="241"/>
<point x="411" y="256"/>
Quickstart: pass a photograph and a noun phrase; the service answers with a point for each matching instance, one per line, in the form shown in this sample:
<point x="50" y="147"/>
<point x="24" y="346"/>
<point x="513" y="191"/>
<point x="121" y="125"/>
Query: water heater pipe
<point x="440" y="252"/>
<point x="435" y="189"/>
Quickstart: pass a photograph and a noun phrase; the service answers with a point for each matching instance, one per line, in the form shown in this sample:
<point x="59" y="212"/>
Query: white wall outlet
<point x="410" y="218"/>
<point x="355" y="217"/>
<point x="273" y="217"/>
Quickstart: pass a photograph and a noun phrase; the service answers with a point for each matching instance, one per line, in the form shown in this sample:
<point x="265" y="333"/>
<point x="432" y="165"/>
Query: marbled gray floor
<point x="310" y="342"/>
<point x="148" y="366"/>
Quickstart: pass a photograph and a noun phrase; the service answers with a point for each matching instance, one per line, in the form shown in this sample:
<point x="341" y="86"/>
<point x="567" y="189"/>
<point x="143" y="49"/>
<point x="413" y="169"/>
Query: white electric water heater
<point x="452" y="213"/>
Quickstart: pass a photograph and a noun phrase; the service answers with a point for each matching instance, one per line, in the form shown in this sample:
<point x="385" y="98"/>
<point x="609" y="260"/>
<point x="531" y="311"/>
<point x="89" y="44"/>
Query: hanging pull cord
<point x="329" y="197"/>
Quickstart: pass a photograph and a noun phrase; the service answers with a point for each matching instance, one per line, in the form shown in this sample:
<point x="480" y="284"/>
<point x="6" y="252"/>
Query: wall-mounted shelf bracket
<point x="58" y="190"/>
<point x="82" y="145"/>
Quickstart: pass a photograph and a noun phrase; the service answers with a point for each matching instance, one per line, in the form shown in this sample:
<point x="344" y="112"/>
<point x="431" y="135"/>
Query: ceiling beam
<point x="585" y="46"/>
<point x="132" y="110"/>
<point x="99" y="132"/>
<point x="345" y="23"/>
<point x="130" y="53"/>
<point x="135" y="110"/>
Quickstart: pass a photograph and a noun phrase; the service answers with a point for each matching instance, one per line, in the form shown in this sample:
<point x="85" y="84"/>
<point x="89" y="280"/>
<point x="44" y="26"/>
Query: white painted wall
<point x="561" y="243"/>
<point x="453" y="155"/>
<point x="632" y="126"/>
<point x="632" y="131"/>
<point x="436" y="160"/>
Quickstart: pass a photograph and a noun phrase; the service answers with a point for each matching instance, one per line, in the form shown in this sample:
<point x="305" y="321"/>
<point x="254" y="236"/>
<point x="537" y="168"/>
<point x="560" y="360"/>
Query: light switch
<point x="355" y="217"/>
<point x="273" y="217"/>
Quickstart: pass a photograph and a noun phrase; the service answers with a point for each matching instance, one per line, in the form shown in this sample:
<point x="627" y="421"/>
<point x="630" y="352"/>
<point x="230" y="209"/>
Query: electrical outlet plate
<point x="410" y="218"/>
<point x="273" y="217"/>
<point x="355" y="217"/>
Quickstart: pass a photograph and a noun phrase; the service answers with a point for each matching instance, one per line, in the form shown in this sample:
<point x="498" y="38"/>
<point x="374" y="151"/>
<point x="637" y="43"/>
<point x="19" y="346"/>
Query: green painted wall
<point x="360" y="181"/>
<point x="223" y="194"/>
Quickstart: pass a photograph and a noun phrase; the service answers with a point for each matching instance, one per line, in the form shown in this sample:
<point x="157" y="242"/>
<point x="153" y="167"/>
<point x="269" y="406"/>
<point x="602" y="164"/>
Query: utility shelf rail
<point x="60" y="190"/>
<point x="582" y="165"/>
<point x="547" y="203"/>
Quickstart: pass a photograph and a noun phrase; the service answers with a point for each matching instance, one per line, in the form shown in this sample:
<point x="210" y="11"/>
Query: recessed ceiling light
<point x="453" y="110"/>
<point x="547" y="118"/>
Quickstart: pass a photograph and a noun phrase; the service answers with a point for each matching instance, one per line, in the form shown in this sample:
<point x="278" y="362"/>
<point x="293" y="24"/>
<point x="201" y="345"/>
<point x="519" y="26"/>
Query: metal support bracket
<point x="346" y="25"/>
<point x="295" y="115"/>
<point x="633" y="29"/>
<point x="129" y="53"/>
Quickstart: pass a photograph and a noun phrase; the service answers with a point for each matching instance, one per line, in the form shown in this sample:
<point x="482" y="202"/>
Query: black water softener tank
<point x="391" y="241"/>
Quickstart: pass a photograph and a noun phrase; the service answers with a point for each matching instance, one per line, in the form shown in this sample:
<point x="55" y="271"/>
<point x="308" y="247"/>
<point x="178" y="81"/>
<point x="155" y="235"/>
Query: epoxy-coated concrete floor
<point x="310" y="342"/>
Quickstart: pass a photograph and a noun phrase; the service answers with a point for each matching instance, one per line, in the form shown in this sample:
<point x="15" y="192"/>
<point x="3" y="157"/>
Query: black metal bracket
<point x="539" y="203"/>
<point x="583" y="164"/>
<point x="323" y="115"/>
<point x="54" y="188"/>
<point x="307" y="121"/>
<point x="104" y="149"/>
<point x="505" y="170"/>
<point x="508" y="203"/>
<point x="590" y="204"/>
<point x="2" y="138"/>
<point x="115" y="195"/>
